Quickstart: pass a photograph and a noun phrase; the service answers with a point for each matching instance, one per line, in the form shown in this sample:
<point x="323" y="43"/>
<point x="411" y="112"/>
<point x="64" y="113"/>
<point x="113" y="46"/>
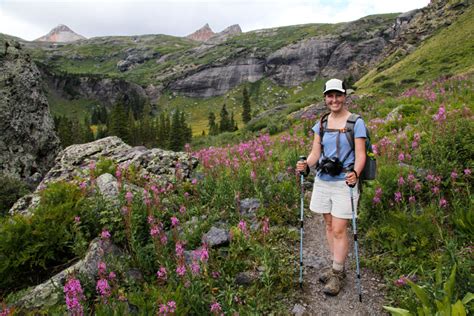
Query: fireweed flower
<point x="443" y="203"/>
<point x="435" y="190"/>
<point x="154" y="231"/>
<point x="112" y="275"/>
<point x="215" y="274"/>
<point x="411" y="177"/>
<point x="83" y="185"/>
<point x="179" y="248"/>
<point x="182" y="208"/>
<point x="174" y="221"/>
<point x="243" y="227"/>
<point x="412" y="199"/>
<point x="454" y="175"/>
<point x="467" y="172"/>
<point x="162" y="274"/>
<point x="102" y="267"/>
<point x="103" y="288"/>
<point x="181" y="270"/>
<point x="216" y="308"/>
<point x="417" y="187"/>
<point x="74" y="295"/>
<point x="77" y="219"/>
<point x="204" y="254"/>
<point x="253" y="176"/>
<point x="398" y="196"/>
<point x="129" y="197"/>
<point x="92" y="165"/>
<point x="401" y="157"/>
<point x="266" y="226"/>
<point x="401" y="181"/>
<point x="105" y="234"/>
<point x="195" y="268"/>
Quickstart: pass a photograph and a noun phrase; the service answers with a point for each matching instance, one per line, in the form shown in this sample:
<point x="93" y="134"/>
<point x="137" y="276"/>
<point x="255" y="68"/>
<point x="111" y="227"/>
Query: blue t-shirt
<point x="330" y="149"/>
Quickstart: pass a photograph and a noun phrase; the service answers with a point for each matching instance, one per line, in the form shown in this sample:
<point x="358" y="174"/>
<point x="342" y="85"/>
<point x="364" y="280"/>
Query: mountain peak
<point x="203" y="34"/>
<point x="61" y="33"/>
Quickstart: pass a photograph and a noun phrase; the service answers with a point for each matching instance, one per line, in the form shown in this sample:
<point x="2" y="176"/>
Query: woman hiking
<point x="338" y="167"/>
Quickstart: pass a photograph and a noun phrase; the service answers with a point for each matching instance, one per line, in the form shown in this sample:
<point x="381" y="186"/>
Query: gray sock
<point x="337" y="266"/>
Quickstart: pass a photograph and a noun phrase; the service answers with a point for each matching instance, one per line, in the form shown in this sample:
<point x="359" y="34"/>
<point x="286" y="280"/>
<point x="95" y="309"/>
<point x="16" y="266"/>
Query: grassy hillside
<point x="448" y="52"/>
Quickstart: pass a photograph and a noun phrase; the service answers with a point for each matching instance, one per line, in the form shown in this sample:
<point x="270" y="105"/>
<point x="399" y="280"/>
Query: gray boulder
<point x="50" y="292"/>
<point x="28" y="142"/>
<point x="216" y="237"/>
<point x="161" y="166"/>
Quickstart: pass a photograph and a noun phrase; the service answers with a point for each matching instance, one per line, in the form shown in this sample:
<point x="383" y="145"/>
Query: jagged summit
<point x="203" y="34"/>
<point x="60" y="33"/>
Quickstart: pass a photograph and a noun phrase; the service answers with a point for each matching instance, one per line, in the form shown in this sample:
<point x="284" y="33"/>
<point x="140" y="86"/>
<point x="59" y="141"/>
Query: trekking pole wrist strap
<point x="357" y="175"/>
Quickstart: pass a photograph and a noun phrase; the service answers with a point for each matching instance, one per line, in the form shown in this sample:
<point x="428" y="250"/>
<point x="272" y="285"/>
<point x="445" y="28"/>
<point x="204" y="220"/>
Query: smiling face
<point x="335" y="100"/>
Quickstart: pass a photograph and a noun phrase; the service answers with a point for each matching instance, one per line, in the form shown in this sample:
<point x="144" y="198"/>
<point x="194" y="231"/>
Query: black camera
<point x="331" y="165"/>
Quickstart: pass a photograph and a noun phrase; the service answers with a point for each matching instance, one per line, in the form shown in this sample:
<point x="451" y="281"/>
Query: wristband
<point x="357" y="176"/>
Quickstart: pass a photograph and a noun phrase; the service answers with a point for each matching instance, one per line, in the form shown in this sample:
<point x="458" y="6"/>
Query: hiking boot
<point x="326" y="274"/>
<point x="335" y="283"/>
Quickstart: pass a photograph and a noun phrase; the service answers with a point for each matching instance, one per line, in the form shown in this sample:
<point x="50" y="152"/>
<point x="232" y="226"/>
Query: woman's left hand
<point x="351" y="178"/>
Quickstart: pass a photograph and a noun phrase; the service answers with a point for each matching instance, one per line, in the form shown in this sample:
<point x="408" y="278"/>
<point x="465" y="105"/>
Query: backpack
<point x="370" y="169"/>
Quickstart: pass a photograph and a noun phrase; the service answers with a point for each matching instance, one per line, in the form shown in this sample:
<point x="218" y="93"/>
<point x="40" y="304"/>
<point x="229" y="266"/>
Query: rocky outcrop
<point x="218" y="80"/>
<point x="71" y="163"/>
<point x="135" y="57"/>
<point x="106" y="91"/>
<point x="46" y="294"/>
<point x="412" y="27"/>
<point x="300" y="62"/>
<point x="61" y="33"/>
<point x="202" y="35"/>
<point x="227" y="33"/>
<point x="28" y="142"/>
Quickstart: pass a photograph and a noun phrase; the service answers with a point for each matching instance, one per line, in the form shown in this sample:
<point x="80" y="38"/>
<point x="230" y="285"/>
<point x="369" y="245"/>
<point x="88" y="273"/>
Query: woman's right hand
<point x="301" y="166"/>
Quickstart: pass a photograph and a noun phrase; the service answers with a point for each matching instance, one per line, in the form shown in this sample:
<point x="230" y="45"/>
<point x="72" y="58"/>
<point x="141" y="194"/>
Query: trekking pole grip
<point x="304" y="173"/>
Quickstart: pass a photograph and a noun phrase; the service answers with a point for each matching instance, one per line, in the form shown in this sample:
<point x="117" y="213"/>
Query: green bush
<point x="11" y="190"/>
<point x="32" y="246"/>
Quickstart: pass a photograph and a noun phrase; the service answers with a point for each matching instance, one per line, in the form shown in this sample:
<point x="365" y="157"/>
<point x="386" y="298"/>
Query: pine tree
<point x="177" y="133"/>
<point x="88" y="135"/>
<point x="246" y="108"/>
<point x="233" y="124"/>
<point x="213" y="128"/>
<point x="224" y="125"/>
<point x="133" y="135"/>
<point x="117" y="123"/>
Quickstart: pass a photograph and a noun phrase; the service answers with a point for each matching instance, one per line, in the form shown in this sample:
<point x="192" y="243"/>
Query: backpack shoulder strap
<point x="350" y="123"/>
<point x="323" y="123"/>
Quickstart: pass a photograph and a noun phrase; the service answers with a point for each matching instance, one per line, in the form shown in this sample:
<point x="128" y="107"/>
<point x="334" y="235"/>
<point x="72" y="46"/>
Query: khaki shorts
<point x="333" y="197"/>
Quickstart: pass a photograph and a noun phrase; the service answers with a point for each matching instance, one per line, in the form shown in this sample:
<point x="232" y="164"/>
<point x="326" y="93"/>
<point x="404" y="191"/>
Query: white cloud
<point x="29" y="19"/>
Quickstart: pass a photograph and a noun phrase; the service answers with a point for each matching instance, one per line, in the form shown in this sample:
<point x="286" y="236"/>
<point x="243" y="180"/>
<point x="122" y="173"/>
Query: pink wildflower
<point x="443" y="203"/>
<point x="398" y="196"/>
<point x="103" y="288"/>
<point x="182" y="209"/>
<point x="74" y="295"/>
<point x="401" y="157"/>
<point x="266" y="226"/>
<point x="181" y="270"/>
<point x="401" y="181"/>
<point x="412" y="199"/>
<point x="216" y="308"/>
<point x="162" y="274"/>
<point x="154" y="231"/>
<point x="174" y="221"/>
<point x="467" y="171"/>
<point x="454" y="175"/>
<point x="129" y="197"/>
<point x="102" y="267"/>
<point x="77" y="219"/>
<point x="105" y="234"/>
<point x="112" y="275"/>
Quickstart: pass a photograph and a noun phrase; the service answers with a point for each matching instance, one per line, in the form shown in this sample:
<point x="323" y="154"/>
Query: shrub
<point x="11" y="190"/>
<point x="31" y="246"/>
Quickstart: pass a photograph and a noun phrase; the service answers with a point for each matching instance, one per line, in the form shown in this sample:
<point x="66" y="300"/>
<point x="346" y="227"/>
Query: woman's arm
<point x="313" y="155"/>
<point x="360" y="156"/>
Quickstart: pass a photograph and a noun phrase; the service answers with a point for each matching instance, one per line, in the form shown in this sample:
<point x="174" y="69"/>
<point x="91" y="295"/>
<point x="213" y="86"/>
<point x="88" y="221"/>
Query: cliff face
<point x="28" y="142"/>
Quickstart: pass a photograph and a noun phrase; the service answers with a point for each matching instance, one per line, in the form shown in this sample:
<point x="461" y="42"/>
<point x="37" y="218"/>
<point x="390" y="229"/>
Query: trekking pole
<point x="356" y="246"/>
<point x="302" y="158"/>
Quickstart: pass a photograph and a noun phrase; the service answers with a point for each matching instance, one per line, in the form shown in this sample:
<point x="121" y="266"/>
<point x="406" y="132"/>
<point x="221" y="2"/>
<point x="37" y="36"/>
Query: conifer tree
<point x="224" y="125"/>
<point x="117" y="123"/>
<point x="213" y="128"/>
<point x="246" y="108"/>
<point x="176" y="138"/>
<point x="233" y="124"/>
<point x="88" y="135"/>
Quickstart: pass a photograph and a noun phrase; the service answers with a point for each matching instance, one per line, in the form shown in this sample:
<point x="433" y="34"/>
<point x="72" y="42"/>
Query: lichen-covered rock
<point x="74" y="162"/>
<point x="50" y="292"/>
<point x="28" y="142"/>
<point x="216" y="237"/>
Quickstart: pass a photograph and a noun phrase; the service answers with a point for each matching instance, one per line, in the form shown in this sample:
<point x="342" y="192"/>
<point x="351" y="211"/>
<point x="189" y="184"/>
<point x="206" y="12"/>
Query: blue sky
<point x="30" y="19"/>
